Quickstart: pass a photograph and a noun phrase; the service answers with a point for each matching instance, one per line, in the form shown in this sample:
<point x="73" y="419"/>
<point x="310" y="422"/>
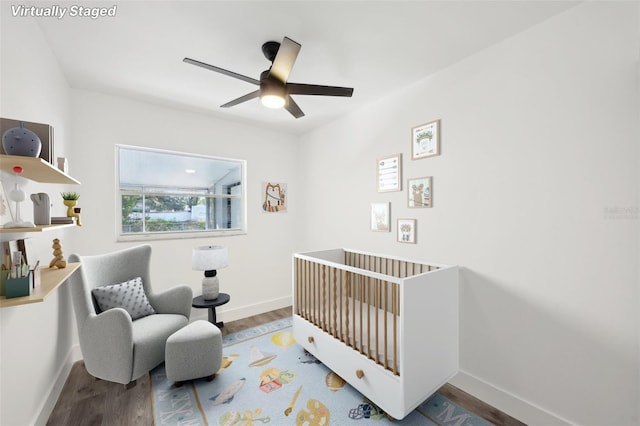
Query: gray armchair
<point x="114" y="347"/>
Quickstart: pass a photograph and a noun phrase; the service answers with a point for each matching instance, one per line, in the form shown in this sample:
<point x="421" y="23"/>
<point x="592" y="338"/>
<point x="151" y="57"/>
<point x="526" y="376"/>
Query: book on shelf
<point x="60" y="220"/>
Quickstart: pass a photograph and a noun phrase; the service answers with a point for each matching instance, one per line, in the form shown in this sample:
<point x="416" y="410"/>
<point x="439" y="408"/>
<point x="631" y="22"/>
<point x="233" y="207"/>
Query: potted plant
<point x="70" y="199"/>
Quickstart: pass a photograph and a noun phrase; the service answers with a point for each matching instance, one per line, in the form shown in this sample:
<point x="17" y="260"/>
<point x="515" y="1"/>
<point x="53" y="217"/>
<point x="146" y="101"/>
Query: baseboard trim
<point x="46" y="407"/>
<point x="241" y="312"/>
<point x="506" y="402"/>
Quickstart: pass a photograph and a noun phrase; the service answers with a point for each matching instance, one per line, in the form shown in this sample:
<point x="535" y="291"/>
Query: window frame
<point x="171" y="235"/>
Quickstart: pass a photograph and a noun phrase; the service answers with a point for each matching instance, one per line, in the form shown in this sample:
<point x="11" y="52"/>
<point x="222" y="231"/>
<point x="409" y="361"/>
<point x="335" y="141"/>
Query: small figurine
<point x="58" y="261"/>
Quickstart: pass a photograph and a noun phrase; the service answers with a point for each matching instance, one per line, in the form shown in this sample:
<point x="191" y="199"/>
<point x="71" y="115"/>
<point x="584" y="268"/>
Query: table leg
<point x="212" y="317"/>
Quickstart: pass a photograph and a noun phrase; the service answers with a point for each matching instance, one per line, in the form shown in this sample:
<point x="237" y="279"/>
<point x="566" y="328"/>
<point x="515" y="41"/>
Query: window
<point x="165" y="194"/>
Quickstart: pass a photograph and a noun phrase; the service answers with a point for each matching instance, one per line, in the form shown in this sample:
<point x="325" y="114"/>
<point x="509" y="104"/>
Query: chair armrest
<point x="106" y="341"/>
<point x="173" y="301"/>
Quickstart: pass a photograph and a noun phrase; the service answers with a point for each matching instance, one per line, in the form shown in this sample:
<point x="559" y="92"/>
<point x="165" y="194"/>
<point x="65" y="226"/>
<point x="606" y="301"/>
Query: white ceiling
<point x="376" y="47"/>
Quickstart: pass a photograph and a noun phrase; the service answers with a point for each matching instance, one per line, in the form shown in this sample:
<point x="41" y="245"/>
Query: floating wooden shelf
<point x="35" y="169"/>
<point x="50" y="279"/>
<point x="38" y="228"/>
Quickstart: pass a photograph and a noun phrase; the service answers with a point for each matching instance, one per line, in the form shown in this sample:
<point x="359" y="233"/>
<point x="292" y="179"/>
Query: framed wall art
<point x="274" y="197"/>
<point x="425" y="140"/>
<point x="380" y="219"/>
<point x="420" y="192"/>
<point x="407" y="231"/>
<point x="389" y="173"/>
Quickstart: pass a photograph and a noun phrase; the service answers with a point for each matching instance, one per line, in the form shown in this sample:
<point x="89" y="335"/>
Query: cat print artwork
<point x="274" y="197"/>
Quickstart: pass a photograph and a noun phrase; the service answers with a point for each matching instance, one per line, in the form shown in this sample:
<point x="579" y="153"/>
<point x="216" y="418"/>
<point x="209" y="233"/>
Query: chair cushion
<point x="128" y="295"/>
<point x="149" y="337"/>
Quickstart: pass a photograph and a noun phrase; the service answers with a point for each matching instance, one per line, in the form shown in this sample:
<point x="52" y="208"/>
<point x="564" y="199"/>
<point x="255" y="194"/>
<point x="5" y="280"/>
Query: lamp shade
<point x="209" y="258"/>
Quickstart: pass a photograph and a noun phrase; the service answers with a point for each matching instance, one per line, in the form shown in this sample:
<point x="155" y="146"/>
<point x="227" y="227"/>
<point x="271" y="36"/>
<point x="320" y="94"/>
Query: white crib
<point x="386" y="325"/>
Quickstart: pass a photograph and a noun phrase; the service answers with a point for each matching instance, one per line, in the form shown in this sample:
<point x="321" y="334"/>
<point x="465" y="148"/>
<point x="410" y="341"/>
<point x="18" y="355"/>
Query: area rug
<point x="267" y="378"/>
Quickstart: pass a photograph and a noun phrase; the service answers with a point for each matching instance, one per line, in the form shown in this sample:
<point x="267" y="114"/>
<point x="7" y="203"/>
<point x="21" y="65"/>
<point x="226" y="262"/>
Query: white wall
<point x="539" y="147"/>
<point x="35" y="340"/>
<point x="259" y="275"/>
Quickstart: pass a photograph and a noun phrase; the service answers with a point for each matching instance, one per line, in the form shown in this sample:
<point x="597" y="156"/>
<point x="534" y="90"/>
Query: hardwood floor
<point x="88" y="401"/>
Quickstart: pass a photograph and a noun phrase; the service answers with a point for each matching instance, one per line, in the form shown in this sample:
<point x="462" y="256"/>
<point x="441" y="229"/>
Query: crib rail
<point x="362" y="310"/>
<point x="386" y="265"/>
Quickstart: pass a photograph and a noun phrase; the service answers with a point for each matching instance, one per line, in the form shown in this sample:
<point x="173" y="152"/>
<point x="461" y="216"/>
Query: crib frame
<point x="385" y="324"/>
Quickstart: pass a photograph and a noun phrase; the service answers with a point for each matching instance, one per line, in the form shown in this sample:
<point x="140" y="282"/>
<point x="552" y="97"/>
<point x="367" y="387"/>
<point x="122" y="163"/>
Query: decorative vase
<point x="70" y="204"/>
<point x="21" y="141"/>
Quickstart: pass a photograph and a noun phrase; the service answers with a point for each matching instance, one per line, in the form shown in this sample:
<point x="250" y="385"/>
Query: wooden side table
<point x="200" y="302"/>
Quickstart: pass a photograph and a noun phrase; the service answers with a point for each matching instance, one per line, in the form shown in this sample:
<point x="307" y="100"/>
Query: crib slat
<point x="342" y="284"/>
<point x="368" y="290"/>
<point x="386" y="309"/>
<point x="299" y="286"/>
<point x="314" y="282"/>
<point x="346" y="313"/>
<point x="328" y="319"/>
<point x="323" y="312"/>
<point x="312" y="269"/>
<point x="377" y="335"/>
<point x="309" y="317"/>
<point x="394" y="293"/>
<point x="360" y="296"/>
<point x="353" y="303"/>
<point x="302" y="287"/>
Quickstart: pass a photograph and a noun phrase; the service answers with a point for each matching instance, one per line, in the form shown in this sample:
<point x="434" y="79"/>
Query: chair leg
<point x="130" y="384"/>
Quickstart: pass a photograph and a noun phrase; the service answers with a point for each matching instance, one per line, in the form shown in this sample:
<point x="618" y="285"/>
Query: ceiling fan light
<point x="272" y="101"/>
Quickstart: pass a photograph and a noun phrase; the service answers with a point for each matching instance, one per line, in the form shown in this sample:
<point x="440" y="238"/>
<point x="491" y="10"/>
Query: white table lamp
<point x="209" y="259"/>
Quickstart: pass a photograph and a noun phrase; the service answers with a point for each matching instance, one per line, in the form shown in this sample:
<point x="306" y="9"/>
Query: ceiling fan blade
<point x="314" y="89"/>
<point x="221" y="71"/>
<point x="293" y="108"/>
<point x="241" y="99"/>
<point x="284" y="60"/>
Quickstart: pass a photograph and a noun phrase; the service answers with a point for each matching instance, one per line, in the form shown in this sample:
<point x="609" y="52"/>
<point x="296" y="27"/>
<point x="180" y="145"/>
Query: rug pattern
<point x="267" y="378"/>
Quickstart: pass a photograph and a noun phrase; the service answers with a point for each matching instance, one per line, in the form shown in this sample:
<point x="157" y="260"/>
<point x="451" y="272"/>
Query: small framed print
<point x="425" y="140"/>
<point x="420" y="192"/>
<point x="380" y="219"/>
<point x="407" y="231"/>
<point x="389" y="173"/>
<point x="274" y="197"/>
<point x="5" y="210"/>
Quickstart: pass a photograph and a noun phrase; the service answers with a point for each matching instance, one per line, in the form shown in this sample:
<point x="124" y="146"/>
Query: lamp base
<point x="210" y="288"/>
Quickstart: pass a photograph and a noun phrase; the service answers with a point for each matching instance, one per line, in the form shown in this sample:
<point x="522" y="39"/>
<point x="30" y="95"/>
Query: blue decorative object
<point x="21" y="141"/>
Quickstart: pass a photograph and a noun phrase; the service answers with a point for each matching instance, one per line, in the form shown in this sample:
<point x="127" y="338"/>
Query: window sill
<point x="156" y="236"/>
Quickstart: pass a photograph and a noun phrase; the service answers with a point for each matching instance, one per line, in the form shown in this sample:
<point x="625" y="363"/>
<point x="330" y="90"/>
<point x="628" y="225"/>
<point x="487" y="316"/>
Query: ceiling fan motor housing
<point x="270" y="50"/>
<point x="270" y="86"/>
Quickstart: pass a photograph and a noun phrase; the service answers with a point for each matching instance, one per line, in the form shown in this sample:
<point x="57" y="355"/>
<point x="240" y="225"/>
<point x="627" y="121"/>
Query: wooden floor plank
<point x="86" y="400"/>
<point x="478" y="407"/>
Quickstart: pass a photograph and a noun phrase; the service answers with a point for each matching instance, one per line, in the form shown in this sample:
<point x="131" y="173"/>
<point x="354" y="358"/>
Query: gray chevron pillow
<point x="129" y="295"/>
